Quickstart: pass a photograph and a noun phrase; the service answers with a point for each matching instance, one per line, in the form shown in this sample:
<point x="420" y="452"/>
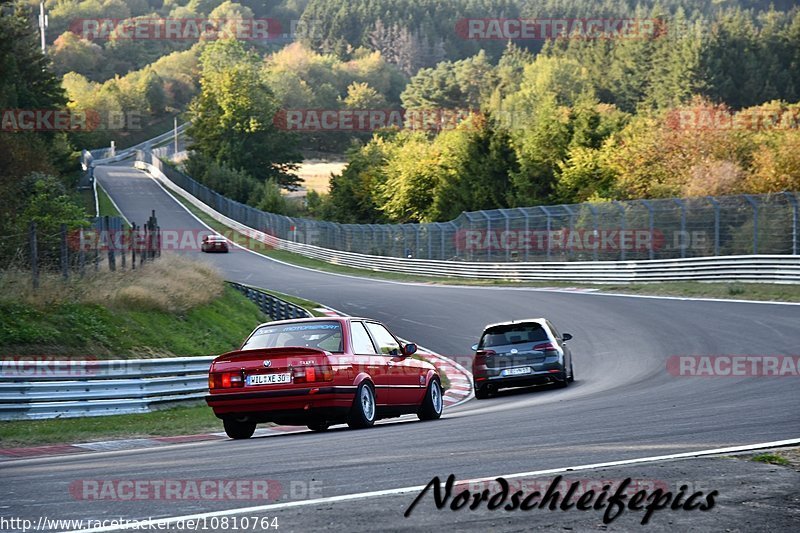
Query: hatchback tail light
<point x="479" y="363"/>
<point x="481" y="355"/>
<point x="310" y="374"/>
<point x="225" y="380"/>
<point x="545" y="347"/>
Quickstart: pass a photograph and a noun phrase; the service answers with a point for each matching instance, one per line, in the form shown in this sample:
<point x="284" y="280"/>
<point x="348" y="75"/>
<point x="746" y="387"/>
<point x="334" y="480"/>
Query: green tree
<point x="233" y="116"/>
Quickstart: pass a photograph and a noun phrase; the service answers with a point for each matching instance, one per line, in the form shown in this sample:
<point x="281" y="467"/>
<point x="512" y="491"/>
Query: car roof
<point x="540" y="321"/>
<point x="315" y="319"/>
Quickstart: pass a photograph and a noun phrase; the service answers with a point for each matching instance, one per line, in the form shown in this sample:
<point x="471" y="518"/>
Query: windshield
<point x="513" y="334"/>
<point x="325" y="335"/>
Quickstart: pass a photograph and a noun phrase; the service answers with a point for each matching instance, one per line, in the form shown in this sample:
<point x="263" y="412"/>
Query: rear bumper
<point x="285" y="405"/>
<point x="535" y="378"/>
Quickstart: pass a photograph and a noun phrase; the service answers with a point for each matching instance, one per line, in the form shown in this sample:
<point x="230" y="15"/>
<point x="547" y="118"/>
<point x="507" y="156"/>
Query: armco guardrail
<point x="746" y="268"/>
<point x="270" y="305"/>
<point x="48" y="389"/>
<point x="33" y="390"/>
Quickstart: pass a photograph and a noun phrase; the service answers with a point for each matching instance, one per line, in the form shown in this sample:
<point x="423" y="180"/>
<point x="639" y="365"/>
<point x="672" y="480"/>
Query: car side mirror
<point x="566" y="337"/>
<point x="409" y="349"/>
<point x="474" y="347"/>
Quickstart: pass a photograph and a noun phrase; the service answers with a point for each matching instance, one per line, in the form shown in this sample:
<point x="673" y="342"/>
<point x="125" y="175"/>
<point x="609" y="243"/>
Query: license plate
<point x="516" y="371"/>
<point x="268" y="379"/>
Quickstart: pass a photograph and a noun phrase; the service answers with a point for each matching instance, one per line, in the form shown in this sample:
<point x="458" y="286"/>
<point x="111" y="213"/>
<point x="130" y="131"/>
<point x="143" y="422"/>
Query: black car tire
<point x="238" y="430"/>
<point x="433" y="402"/>
<point x="319" y="426"/>
<point x="362" y="414"/>
<point x="571" y="373"/>
<point x="563" y="381"/>
<point x="481" y="392"/>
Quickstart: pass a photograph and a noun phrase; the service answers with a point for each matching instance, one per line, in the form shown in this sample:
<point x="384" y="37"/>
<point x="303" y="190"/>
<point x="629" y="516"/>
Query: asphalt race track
<point x="623" y="405"/>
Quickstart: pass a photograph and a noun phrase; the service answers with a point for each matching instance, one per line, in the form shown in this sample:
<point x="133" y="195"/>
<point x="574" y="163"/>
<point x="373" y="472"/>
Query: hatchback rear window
<point x="324" y="335"/>
<point x="513" y="334"/>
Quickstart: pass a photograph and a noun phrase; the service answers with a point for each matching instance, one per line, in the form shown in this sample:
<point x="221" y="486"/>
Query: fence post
<point x="34" y="255"/>
<point x="508" y="228"/>
<point x="121" y="236"/>
<point x="64" y="253"/>
<point x="713" y="201"/>
<point x="649" y="207"/>
<point x="489" y="239"/>
<point x="132" y="233"/>
<point x="793" y="200"/>
<point x="145" y="239"/>
<point x="623" y="219"/>
<point x="98" y="236"/>
<point x="112" y="260"/>
<point x="683" y="226"/>
<point x="548" y="223"/>
<point x="754" y="205"/>
<point x="595" y="227"/>
<point x="569" y="210"/>
<point x="81" y="254"/>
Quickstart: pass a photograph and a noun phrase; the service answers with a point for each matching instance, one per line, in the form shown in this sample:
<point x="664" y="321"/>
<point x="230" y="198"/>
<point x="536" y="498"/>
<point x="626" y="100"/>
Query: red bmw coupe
<point x="318" y="372"/>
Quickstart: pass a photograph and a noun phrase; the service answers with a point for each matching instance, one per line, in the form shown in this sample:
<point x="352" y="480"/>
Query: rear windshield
<point x="325" y="335"/>
<point x="513" y="334"/>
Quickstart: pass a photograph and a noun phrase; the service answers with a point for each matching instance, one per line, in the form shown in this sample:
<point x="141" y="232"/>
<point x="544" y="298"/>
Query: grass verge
<point x="685" y="289"/>
<point x="184" y="420"/>
<point x="92" y="330"/>
<point x="771" y="458"/>
<point x="156" y="310"/>
<point x="106" y="206"/>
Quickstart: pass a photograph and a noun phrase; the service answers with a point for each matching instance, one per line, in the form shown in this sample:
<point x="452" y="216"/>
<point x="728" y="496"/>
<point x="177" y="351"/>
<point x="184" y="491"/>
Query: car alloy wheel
<point x="362" y="414"/>
<point x="432" y="403"/>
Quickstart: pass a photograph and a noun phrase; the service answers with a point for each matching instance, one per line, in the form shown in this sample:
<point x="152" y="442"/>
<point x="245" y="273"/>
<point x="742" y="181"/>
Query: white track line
<point x="155" y="523"/>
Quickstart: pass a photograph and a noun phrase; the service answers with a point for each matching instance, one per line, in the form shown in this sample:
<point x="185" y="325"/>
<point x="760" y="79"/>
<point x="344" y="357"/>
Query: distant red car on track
<point x="318" y="372"/>
<point x="214" y="243"/>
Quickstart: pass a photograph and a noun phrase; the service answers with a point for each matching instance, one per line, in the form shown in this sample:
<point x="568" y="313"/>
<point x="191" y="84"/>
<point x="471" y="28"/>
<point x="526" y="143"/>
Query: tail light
<point x="225" y="380"/>
<point x="545" y="347"/>
<point x="481" y="355"/>
<point x="310" y="374"/>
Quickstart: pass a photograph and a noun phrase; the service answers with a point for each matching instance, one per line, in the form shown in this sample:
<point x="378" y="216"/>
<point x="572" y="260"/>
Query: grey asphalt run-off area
<point x="623" y="405"/>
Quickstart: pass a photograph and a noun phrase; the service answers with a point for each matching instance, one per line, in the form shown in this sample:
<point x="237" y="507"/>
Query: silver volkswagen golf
<point x="520" y="353"/>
